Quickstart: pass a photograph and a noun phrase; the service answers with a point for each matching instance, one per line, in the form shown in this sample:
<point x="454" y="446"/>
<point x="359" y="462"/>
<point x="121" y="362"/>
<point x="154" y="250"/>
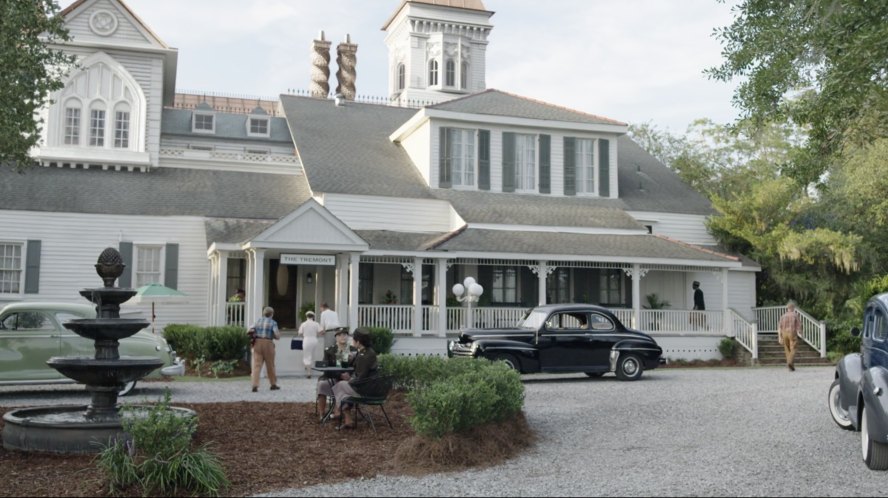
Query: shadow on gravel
<point x="528" y="379"/>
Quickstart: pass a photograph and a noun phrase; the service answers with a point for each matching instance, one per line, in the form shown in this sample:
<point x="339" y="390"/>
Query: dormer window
<point x="258" y="127"/>
<point x="585" y="163"/>
<point x="204" y="123"/>
<point x="121" y="127"/>
<point x="72" y="122"/>
<point x="97" y="125"/>
<point x="433" y="73"/>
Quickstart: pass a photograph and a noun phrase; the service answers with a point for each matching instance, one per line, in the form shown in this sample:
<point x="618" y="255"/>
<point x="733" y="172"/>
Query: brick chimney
<point x="320" y="68"/>
<point x="346" y="57"/>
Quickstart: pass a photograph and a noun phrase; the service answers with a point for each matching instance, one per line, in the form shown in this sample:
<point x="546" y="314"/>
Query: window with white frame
<point x="11" y="268"/>
<point x="122" y="128"/>
<point x="464" y="76"/>
<point x="259" y="126"/>
<point x="148" y="265"/>
<point x="433" y="72"/>
<point x="462" y="157"/>
<point x="450" y="73"/>
<point x="97" y="127"/>
<point x="611" y="287"/>
<point x="402" y="76"/>
<point x="72" y="123"/>
<point x="505" y="285"/>
<point x="204" y="123"/>
<point x="585" y="164"/>
<point x="525" y="163"/>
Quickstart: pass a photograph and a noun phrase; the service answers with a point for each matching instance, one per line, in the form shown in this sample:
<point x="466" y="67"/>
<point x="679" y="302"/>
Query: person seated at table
<point x="366" y="368"/>
<point x="337" y="354"/>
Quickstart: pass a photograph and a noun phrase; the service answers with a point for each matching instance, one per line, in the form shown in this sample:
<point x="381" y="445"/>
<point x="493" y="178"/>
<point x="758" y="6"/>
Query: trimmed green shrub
<point x="452" y="395"/>
<point x="382" y="339"/>
<point x="159" y="458"/>
<point x="209" y="343"/>
<point x="305" y="308"/>
<point x="728" y="348"/>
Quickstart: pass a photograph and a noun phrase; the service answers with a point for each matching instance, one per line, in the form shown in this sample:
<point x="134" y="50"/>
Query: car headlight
<point x="474" y="347"/>
<point x="157" y="348"/>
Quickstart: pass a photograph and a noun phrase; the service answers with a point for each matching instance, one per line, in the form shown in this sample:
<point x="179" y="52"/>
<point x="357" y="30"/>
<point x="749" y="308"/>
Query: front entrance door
<point x="282" y="293"/>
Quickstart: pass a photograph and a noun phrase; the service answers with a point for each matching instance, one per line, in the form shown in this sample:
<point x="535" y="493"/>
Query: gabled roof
<point x="498" y="103"/>
<point x="158" y="192"/>
<point x="74" y="7"/>
<point x="346" y="149"/>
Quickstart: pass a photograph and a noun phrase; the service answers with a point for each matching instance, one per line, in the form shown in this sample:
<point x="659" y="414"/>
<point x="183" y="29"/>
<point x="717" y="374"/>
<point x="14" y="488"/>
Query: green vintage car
<point x="31" y="333"/>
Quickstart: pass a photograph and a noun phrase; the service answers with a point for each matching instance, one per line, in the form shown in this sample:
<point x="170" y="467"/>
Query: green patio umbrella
<point x="155" y="293"/>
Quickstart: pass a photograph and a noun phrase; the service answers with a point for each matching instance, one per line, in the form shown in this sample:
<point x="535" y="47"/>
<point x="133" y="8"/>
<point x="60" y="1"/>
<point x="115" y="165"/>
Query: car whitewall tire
<point x="875" y="455"/>
<point x="839" y="415"/>
<point x="127" y="388"/>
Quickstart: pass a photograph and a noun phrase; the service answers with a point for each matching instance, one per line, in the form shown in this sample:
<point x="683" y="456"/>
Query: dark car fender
<point x="526" y="353"/>
<point x="649" y="352"/>
<point x="874" y="391"/>
<point x="849" y="371"/>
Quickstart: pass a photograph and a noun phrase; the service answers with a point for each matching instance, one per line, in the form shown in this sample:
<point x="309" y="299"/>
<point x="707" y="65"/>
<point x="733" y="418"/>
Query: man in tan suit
<point x="788" y="331"/>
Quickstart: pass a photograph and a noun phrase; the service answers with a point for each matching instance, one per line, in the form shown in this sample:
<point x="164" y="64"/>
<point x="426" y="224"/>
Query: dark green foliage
<point x="29" y="72"/>
<point x="453" y="395"/>
<point x="382" y="339"/>
<point x="209" y="343"/>
<point x="305" y="308"/>
<point x="728" y="348"/>
<point x="159" y="459"/>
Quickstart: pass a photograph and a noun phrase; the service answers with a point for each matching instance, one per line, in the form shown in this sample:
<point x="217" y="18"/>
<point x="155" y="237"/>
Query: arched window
<point x="97" y="123"/>
<point x="450" y="73"/>
<point x="122" y="126"/>
<point x="464" y="76"/>
<point x="402" y="76"/>
<point x="433" y="72"/>
<point x="73" y="110"/>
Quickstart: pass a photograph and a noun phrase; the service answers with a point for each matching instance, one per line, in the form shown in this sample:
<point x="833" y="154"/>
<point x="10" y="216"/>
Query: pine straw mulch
<point x="272" y="446"/>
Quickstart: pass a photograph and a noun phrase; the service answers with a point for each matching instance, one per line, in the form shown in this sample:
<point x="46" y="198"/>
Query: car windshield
<point x="532" y="320"/>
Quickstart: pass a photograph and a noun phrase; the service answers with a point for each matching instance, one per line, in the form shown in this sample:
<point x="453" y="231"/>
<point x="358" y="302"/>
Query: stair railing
<point x="746" y="333"/>
<point x="813" y="330"/>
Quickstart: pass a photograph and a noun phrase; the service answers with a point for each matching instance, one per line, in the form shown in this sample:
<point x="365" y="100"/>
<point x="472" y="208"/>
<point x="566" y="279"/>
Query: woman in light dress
<point x="309" y="330"/>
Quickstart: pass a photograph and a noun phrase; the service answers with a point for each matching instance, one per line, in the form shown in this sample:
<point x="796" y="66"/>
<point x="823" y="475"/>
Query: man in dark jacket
<point x="698" y="319"/>
<point x="366" y="368"/>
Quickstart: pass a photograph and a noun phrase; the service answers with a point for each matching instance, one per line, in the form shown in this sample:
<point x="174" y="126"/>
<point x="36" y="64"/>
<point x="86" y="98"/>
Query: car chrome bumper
<point x="456" y="349"/>
<point x="177" y="369"/>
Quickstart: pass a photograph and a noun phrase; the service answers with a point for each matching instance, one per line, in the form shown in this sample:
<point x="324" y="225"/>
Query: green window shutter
<point x="126" y="253"/>
<point x="171" y="266"/>
<point x="444" y="168"/>
<point x="545" y="164"/>
<point x="508" y="162"/>
<point x="32" y="267"/>
<point x="603" y="168"/>
<point x="570" y="166"/>
<point x="484" y="159"/>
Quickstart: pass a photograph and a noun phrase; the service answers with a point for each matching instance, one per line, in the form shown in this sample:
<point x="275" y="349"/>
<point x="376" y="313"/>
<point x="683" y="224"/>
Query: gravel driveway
<point x="752" y="431"/>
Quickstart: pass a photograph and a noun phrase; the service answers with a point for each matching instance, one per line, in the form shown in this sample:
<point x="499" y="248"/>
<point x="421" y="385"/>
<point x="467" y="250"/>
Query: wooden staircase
<point x="770" y="352"/>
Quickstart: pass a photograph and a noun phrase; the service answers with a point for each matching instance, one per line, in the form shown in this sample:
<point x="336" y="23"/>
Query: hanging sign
<point x="308" y="259"/>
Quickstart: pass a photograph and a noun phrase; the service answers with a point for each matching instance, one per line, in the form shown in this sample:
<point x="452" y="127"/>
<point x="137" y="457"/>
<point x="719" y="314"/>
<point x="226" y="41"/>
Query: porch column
<point x="249" y="316"/>
<point x="727" y="309"/>
<point x="342" y="287"/>
<point x="542" y="274"/>
<point x="221" y="299"/>
<point x="417" y="297"/>
<point x="636" y="294"/>
<point x="258" y="282"/>
<point x="441" y="281"/>
<point x="354" y="268"/>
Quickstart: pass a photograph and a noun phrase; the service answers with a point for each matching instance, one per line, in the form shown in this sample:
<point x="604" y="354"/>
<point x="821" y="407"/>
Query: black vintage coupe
<point x="561" y="338"/>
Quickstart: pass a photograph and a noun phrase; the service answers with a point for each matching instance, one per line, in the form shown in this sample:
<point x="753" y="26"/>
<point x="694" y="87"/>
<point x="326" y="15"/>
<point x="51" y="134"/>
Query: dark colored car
<point x="858" y="397"/>
<point x="561" y="338"/>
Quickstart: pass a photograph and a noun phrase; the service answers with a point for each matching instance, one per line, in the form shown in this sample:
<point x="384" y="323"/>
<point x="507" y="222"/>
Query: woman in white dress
<point x="309" y="330"/>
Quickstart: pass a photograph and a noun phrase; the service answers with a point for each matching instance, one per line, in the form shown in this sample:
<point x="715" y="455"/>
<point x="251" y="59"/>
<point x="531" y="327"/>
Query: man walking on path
<point x="329" y="321"/>
<point x="788" y="331"/>
<point x="265" y="332"/>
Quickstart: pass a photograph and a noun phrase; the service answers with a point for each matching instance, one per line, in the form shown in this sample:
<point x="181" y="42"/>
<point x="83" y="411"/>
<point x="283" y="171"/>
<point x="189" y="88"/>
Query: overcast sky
<point x="630" y="60"/>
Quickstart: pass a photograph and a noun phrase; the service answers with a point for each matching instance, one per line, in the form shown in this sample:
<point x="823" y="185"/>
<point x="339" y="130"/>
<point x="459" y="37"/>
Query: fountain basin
<point x="66" y="429"/>
<point x="107" y="373"/>
<point x="102" y="329"/>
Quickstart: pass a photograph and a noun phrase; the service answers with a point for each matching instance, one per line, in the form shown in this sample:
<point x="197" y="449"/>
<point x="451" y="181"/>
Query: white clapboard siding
<point x="126" y="32"/>
<point x="362" y="212"/>
<point x="418" y="147"/>
<point x="71" y="244"/>
<point x="741" y="293"/>
<point x="690" y="228"/>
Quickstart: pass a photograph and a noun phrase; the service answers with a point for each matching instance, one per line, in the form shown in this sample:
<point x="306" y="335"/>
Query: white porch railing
<point x="396" y="317"/>
<point x="813" y="330"/>
<point x="681" y="321"/>
<point x="234" y="314"/>
<point x="626" y="316"/>
<point x="745" y="333"/>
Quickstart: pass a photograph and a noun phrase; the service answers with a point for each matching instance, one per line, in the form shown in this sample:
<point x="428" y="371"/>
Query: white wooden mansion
<point x="376" y="209"/>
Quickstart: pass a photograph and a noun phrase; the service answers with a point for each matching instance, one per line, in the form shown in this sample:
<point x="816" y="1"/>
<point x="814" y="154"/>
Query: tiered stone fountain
<point x="84" y="429"/>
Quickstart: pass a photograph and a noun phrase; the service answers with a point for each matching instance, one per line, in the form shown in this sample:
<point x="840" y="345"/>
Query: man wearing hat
<point x="699" y="305"/>
<point x="337" y="354"/>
